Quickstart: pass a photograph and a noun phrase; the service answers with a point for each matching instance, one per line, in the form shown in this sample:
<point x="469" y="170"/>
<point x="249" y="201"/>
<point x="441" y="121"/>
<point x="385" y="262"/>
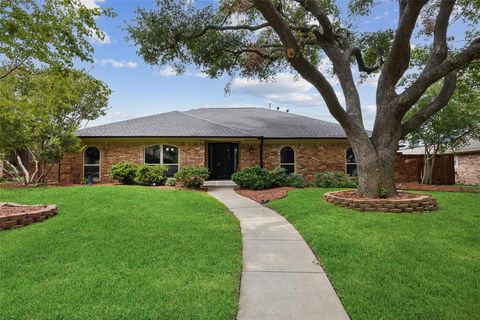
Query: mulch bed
<point x="264" y="196"/>
<point x="7" y="210"/>
<point x="425" y="187"/>
<point x="353" y="195"/>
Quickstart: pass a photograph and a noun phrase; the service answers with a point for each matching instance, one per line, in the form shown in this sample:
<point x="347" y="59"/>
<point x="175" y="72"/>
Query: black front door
<point x="222" y="160"/>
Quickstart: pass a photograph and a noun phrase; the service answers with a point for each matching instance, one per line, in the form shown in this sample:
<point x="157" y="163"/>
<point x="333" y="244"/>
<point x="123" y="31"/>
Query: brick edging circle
<point x="17" y="220"/>
<point x="419" y="204"/>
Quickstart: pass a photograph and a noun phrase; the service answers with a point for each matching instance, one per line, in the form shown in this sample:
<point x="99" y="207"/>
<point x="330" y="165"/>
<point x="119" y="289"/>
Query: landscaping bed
<point x="404" y="202"/>
<point x="264" y="196"/>
<point x="13" y="215"/>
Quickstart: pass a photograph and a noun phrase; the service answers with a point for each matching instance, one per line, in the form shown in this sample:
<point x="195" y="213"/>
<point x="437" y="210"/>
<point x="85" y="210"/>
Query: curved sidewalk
<point x="281" y="279"/>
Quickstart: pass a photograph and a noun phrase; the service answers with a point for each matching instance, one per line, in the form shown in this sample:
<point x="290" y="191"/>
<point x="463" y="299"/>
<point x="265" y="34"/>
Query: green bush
<point x="279" y="177"/>
<point x="333" y="180"/>
<point x="296" y="181"/>
<point x="171" y="182"/>
<point x="191" y="176"/>
<point x="151" y="175"/>
<point x="124" y="172"/>
<point x="253" y="178"/>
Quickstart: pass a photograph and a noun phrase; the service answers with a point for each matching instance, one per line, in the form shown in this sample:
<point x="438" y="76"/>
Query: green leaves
<point x="455" y="124"/>
<point x="41" y="110"/>
<point x="51" y="32"/>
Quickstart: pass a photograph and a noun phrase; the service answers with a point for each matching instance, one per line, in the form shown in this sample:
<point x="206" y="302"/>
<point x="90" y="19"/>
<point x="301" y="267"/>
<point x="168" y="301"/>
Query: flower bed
<point x="404" y="203"/>
<point x="13" y="215"/>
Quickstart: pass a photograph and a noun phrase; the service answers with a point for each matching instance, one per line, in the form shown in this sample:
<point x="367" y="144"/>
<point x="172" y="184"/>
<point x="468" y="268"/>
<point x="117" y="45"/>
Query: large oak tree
<point x="259" y="38"/>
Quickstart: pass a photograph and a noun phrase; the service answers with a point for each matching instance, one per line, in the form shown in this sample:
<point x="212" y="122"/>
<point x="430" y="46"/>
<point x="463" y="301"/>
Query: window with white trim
<point x="287" y="159"/>
<point x="163" y="154"/>
<point x="91" y="163"/>
<point x="351" y="163"/>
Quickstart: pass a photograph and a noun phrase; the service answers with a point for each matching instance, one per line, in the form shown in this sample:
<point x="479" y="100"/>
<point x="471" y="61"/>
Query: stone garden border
<point x="419" y="204"/>
<point x="17" y="220"/>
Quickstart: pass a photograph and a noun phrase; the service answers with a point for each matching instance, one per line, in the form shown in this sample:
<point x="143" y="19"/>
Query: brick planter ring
<point x="15" y="220"/>
<point x="419" y="204"/>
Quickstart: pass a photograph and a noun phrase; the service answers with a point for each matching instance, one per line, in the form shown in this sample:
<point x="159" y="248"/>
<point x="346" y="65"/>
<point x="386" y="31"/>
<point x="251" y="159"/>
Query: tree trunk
<point x="428" y="169"/>
<point x="375" y="168"/>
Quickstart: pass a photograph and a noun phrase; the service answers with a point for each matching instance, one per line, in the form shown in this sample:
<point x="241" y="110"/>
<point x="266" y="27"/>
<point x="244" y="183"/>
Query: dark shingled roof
<point x="220" y="122"/>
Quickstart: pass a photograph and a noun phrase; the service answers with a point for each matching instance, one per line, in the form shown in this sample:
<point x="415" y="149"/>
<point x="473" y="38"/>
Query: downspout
<point x="261" y="152"/>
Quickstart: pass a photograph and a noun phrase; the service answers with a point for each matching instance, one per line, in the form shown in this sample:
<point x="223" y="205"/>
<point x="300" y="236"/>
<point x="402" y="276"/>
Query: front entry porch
<point x="222" y="160"/>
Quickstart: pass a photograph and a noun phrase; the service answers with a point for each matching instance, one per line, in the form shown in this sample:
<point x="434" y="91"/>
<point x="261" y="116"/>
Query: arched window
<point x="163" y="154"/>
<point x="91" y="163"/>
<point x="287" y="159"/>
<point x="351" y="163"/>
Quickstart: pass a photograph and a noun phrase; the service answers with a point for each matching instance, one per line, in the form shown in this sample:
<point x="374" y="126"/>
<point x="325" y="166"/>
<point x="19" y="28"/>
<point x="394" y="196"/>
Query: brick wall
<point x="71" y="168"/>
<point x="467" y="168"/>
<point x="311" y="157"/>
<point x="407" y="168"/>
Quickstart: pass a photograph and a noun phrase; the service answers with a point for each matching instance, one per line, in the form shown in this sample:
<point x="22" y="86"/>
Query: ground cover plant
<point x="395" y="266"/>
<point x="121" y="252"/>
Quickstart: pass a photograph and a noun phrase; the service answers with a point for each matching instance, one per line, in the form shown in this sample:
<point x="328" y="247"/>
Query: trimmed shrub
<point x="191" y="176"/>
<point x="253" y="178"/>
<point x="171" y="182"/>
<point x="335" y="179"/>
<point x="296" y="181"/>
<point x="151" y="174"/>
<point x="124" y="172"/>
<point x="279" y="177"/>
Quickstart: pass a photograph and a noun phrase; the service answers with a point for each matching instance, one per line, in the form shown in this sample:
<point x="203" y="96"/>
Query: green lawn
<point x="390" y="266"/>
<point x="119" y="252"/>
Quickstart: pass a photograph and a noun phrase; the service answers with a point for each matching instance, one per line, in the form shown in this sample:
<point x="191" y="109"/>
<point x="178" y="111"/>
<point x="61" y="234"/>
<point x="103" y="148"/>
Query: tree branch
<point x="434" y="106"/>
<point x="12" y="69"/>
<point x="325" y="24"/>
<point x="308" y="71"/>
<point x="440" y="48"/>
<point x="399" y="58"/>
<point x="225" y="28"/>
<point x="432" y="75"/>
<point x="361" y="63"/>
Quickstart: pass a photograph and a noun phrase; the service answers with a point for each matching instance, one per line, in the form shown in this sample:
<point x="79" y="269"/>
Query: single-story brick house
<point x="222" y="139"/>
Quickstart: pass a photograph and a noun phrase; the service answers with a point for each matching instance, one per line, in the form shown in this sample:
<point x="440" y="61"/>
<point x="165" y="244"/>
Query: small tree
<point x="51" y="32"/>
<point x="453" y="126"/>
<point x="40" y="112"/>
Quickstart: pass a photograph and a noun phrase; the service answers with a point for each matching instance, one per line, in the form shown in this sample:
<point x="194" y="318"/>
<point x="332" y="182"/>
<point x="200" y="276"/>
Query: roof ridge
<point x="217" y="124"/>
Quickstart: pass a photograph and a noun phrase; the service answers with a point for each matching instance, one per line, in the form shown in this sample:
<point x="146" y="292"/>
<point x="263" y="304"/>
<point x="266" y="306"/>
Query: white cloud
<point x="167" y="71"/>
<point x="284" y="89"/>
<point x="92" y="4"/>
<point x="95" y="39"/>
<point x="110" y="117"/>
<point x="118" y="64"/>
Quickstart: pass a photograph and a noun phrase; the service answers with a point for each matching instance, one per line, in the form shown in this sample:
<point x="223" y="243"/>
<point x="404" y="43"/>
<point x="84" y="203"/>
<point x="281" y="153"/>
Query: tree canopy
<point x="259" y="38"/>
<point x="51" y="32"/>
<point x="41" y="111"/>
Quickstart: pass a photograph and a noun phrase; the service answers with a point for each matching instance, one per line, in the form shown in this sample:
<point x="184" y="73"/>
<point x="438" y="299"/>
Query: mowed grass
<point x="391" y="266"/>
<point x="119" y="252"/>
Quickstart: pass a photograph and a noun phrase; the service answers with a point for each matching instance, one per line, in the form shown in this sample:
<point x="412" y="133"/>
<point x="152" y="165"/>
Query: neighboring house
<point x="462" y="165"/>
<point x="222" y="139"/>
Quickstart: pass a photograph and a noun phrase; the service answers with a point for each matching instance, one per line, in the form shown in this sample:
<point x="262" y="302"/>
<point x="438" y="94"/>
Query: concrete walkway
<point x="281" y="279"/>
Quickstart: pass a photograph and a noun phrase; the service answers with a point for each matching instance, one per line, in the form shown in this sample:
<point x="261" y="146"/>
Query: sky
<point x="140" y="89"/>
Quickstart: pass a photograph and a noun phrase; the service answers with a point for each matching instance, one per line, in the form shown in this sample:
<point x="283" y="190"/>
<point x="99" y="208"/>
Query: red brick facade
<point x="311" y="156"/>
